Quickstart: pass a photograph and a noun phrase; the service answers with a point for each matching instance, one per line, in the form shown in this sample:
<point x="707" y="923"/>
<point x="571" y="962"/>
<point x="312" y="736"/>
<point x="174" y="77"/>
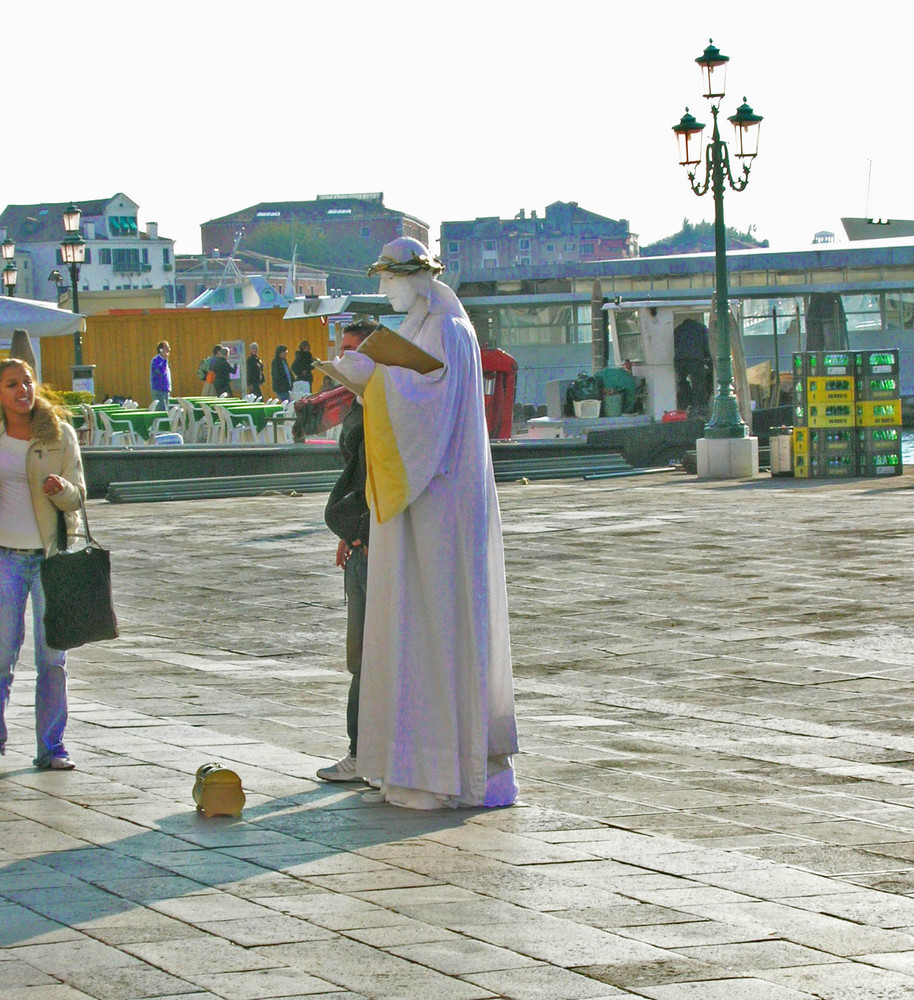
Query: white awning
<point x="38" y="319"/>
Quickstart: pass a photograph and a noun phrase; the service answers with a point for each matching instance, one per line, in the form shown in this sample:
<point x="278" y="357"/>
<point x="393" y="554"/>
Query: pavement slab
<point x="714" y="686"/>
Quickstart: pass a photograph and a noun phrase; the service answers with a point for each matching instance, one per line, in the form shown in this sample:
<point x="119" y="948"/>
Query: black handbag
<point x="77" y="592"/>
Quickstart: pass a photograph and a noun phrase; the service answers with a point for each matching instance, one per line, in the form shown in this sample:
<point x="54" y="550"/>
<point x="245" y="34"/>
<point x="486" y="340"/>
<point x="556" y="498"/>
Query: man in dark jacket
<point x="224" y="372"/>
<point x="347" y="516"/>
<point x="692" y="364"/>
<point x="254" y="371"/>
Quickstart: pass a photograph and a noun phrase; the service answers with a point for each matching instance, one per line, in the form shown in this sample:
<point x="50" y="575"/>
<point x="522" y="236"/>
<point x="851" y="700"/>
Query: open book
<point x="385" y="347"/>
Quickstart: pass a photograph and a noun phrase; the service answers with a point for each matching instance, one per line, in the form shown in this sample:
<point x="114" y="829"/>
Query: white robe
<point x="436" y="709"/>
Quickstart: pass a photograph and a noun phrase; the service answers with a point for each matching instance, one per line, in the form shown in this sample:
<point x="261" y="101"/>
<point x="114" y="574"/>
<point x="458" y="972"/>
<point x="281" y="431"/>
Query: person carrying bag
<point x="40" y="474"/>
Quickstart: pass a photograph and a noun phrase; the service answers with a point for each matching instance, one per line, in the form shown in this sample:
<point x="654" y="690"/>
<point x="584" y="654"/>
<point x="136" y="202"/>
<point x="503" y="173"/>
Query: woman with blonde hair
<point x="40" y="474"/>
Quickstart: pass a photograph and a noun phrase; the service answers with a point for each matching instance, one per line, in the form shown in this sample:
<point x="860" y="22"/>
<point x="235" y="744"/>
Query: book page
<point x="385" y="347"/>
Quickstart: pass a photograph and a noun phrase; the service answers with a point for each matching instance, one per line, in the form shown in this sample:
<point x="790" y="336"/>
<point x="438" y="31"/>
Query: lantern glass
<point x="688" y="136"/>
<point x="8" y="249"/>
<point x="10" y="276"/>
<point x="71" y="216"/>
<point x="689" y="148"/>
<point x="746" y="126"/>
<point x="73" y="251"/>
<point x="713" y="65"/>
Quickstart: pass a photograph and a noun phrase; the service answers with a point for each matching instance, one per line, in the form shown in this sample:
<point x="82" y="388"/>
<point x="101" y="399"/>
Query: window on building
<point x="570" y="247"/>
<point x="104" y="255"/>
<point x="550" y="248"/>
<point x="126" y="260"/>
<point x="552" y="324"/>
<point x="365" y="232"/>
<point x="490" y="263"/>
<point x="863" y="313"/>
<point x="586" y="248"/>
<point x="180" y="294"/>
<point x="169" y="295"/>
<point x="628" y="333"/>
<point x="122" y="225"/>
<point x="523" y="244"/>
<point x="166" y="255"/>
<point x="488" y="246"/>
<point x="758" y="321"/>
<point x="87" y="259"/>
<point x="899" y="310"/>
<point x="453" y="246"/>
<point x="525" y="261"/>
<point x="145" y="255"/>
<point x="583" y="333"/>
<point x="453" y="265"/>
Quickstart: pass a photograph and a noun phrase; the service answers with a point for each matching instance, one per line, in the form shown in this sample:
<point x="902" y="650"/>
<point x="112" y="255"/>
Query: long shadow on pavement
<point x="299" y="836"/>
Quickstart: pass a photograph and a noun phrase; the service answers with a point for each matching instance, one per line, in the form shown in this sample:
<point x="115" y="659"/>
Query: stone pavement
<point x="714" y="687"/>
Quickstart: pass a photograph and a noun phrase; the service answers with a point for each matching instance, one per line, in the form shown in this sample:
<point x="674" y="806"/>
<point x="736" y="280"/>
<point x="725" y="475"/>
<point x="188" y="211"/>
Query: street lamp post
<point x="725" y="421"/>
<point x="10" y="271"/>
<point x="73" y="254"/>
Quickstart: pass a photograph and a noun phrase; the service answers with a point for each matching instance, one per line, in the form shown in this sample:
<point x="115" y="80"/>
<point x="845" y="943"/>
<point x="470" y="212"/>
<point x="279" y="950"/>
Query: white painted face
<point x="399" y="291"/>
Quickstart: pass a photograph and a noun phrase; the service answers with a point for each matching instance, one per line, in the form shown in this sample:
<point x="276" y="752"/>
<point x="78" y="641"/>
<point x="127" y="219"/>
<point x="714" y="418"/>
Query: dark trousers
<point x="355" y="582"/>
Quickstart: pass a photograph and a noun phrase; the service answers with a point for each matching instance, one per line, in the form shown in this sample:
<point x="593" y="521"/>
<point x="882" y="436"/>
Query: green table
<point x="260" y="413"/>
<point x="79" y="421"/>
<point x="140" y="421"/>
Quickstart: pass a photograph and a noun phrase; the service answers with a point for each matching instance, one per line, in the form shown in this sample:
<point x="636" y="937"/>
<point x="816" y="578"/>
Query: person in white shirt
<point x="40" y="474"/>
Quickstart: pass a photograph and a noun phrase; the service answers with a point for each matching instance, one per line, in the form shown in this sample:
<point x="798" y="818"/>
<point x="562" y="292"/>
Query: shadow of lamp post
<point x="10" y="272"/>
<point x="725" y="421"/>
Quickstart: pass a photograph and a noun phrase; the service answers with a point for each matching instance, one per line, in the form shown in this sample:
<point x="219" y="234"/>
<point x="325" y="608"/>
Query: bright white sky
<point x="454" y="110"/>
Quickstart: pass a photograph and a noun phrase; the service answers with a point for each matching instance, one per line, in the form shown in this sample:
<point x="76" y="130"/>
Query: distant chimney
<point x="152" y="230"/>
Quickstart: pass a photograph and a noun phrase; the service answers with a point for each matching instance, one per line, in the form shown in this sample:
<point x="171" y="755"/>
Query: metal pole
<point x="725" y="420"/>
<point x="777" y="358"/>
<point x="74" y="298"/>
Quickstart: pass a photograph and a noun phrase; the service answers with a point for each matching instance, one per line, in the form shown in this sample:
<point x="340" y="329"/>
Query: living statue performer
<point x="436" y="707"/>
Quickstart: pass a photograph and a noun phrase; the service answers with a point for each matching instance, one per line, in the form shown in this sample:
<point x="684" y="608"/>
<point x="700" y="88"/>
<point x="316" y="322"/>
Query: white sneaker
<point x="342" y="770"/>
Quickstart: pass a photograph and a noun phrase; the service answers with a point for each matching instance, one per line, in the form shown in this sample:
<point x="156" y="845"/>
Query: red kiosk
<point x="499" y="375"/>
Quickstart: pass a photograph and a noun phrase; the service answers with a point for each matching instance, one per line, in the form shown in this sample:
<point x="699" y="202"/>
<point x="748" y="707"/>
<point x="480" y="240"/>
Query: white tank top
<point x="18" y="526"/>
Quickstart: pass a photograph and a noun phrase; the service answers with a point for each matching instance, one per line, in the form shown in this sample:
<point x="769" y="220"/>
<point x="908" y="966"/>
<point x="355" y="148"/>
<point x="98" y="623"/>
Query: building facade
<point x="119" y="255"/>
<point x="565" y="234"/>
<point x="543" y="315"/>
<point x="364" y="216"/>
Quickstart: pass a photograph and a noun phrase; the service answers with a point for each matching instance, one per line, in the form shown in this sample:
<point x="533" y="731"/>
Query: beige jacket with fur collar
<point x="53" y="451"/>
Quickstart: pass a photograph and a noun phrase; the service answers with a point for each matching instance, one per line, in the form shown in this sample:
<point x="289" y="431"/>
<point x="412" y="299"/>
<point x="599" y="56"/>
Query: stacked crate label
<point x="847" y="414"/>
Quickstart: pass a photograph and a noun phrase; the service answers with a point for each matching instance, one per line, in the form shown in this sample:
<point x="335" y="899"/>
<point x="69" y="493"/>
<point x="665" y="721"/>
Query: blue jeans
<point x="20" y="576"/>
<point x="160" y="399"/>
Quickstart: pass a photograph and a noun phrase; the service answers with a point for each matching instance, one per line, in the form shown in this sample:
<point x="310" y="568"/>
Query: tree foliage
<point x="315" y="247"/>
<point x="698" y="237"/>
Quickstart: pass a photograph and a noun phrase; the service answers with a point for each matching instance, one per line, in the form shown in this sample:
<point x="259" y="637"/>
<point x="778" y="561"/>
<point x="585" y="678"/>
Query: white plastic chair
<point x="283" y="432"/>
<point x="96" y="434"/>
<point x="211" y="428"/>
<point x="192" y="428"/>
<point x="130" y="404"/>
<point x="235" y="431"/>
<point x="125" y="435"/>
<point x="169" y="423"/>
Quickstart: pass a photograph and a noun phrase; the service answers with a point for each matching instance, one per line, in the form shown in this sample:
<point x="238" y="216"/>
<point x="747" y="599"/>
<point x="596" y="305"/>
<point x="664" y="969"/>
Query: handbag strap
<point x="63" y="535"/>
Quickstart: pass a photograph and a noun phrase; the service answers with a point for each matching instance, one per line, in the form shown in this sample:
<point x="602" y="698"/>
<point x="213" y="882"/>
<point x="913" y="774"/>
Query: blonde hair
<point x="45" y="411"/>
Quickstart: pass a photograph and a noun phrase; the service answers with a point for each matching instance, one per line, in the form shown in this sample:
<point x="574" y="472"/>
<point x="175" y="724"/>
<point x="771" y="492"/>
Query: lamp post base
<point x="727" y="458"/>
